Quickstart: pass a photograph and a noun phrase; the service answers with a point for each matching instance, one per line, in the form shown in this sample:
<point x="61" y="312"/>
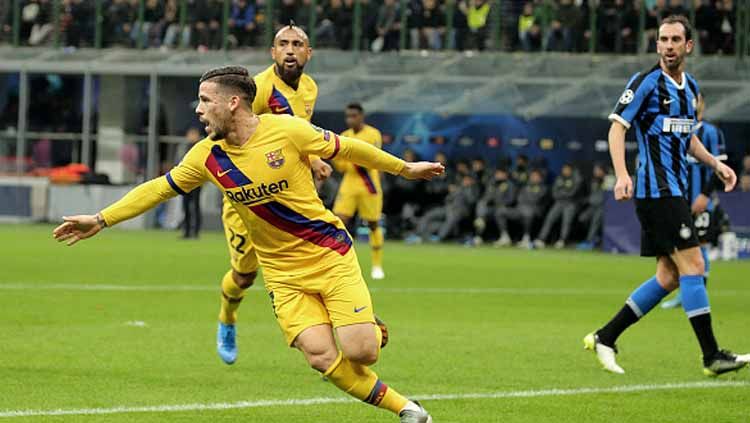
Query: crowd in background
<point x="518" y="201"/>
<point x="536" y="25"/>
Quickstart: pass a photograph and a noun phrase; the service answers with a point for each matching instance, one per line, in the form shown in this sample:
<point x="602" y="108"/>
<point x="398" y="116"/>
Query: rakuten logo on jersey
<point x="255" y="194"/>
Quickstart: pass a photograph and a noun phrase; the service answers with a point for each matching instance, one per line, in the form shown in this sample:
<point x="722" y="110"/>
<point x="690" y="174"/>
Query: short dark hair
<point x="355" y="106"/>
<point x="236" y="78"/>
<point x="680" y="19"/>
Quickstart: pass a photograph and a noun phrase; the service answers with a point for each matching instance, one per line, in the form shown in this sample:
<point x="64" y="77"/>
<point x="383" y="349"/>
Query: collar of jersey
<point x="679" y="86"/>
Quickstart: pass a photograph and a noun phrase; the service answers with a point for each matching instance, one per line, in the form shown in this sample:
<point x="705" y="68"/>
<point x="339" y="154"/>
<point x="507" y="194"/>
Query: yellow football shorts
<point x="369" y="206"/>
<point x="336" y="295"/>
<point x="241" y="251"/>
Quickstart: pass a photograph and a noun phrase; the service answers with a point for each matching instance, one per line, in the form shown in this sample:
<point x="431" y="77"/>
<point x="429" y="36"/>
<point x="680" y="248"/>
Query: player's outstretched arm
<point x="369" y="156"/>
<point x="138" y="201"/>
<point x="76" y="228"/>
<point x="724" y="172"/>
<point x="624" y="185"/>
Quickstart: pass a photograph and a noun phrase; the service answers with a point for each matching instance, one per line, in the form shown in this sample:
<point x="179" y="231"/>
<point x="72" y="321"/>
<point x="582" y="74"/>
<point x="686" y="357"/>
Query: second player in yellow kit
<point x="283" y="88"/>
<point x="360" y="191"/>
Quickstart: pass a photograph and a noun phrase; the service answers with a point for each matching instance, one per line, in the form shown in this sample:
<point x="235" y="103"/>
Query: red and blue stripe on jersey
<point x="279" y="104"/>
<point x="317" y="232"/>
<point x="224" y="170"/>
<point x="365" y="175"/>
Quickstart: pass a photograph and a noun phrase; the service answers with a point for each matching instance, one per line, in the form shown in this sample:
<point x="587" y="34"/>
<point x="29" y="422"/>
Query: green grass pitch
<point x="494" y="331"/>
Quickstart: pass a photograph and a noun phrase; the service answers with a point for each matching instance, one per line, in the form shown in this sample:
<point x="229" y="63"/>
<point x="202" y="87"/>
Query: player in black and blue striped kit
<point x="661" y="106"/>
<point x="702" y="183"/>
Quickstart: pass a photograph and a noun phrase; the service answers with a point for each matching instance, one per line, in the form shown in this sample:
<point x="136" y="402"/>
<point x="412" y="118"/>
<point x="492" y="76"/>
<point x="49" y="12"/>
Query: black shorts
<point x="708" y="225"/>
<point x="666" y="225"/>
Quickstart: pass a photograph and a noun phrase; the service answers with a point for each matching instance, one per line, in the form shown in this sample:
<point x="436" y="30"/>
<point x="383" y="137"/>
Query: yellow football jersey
<point x="276" y="97"/>
<point x="357" y="178"/>
<point x="269" y="182"/>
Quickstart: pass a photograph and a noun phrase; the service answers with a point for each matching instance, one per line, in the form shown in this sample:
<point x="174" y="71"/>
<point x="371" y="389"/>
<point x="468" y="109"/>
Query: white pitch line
<point x="404" y="290"/>
<point x="341" y="400"/>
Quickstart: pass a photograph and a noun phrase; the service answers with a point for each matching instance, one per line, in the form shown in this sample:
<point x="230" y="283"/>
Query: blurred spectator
<point x="618" y="26"/>
<point x="480" y="173"/>
<point x="500" y="195"/>
<point x="207" y="17"/>
<point x="149" y="31"/>
<point x="707" y="23"/>
<point x="413" y="15"/>
<point x="457" y="39"/>
<point x="78" y="20"/>
<point x="529" y="32"/>
<point x="521" y="172"/>
<point x="402" y="200"/>
<point x="745" y="182"/>
<point x="191" y="204"/>
<point x="675" y="7"/>
<point x="437" y="188"/>
<point x="530" y="205"/>
<point x="38" y="13"/>
<point x="242" y="23"/>
<point x="335" y="28"/>
<point x="443" y="221"/>
<point x="388" y="27"/>
<point x="286" y="13"/>
<point x="746" y="164"/>
<point x="172" y="34"/>
<point x="564" y="191"/>
<point x="118" y="19"/>
<point x="565" y="22"/>
<point x="593" y="212"/>
<point x="430" y="26"/>
<point x="6" y="21"/>
<point x="727" y="20"/>
<point x="476" y="18"/>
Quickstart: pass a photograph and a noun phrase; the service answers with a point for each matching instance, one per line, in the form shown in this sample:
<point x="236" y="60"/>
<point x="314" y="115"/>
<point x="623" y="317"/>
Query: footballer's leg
<point x="244" y="265"/>
<point x="304" y="318"/>
<point x="695" y="303"/>
<point x="348" y="368"/>
<point x="370" y="208"/>
<point x="640" y="302"/>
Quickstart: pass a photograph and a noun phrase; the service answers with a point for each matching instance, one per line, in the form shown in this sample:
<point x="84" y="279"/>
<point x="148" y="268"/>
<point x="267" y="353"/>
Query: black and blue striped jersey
<point x="701" y="178"/>
<point x="663" y="114"/>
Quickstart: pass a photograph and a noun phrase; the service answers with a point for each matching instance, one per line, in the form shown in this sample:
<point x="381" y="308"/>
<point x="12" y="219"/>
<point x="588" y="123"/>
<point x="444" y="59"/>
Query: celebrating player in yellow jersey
<point x="283" y="88"/>
<point x="360" y="191"/>
<point x="310" y="268"/>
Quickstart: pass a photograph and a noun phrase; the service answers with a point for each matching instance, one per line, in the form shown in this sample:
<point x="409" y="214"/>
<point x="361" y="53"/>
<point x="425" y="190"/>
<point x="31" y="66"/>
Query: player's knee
<point x="244" y="280"/>
<point x="323" y="360"/>
<point x="373" y="225"/>
<point x="697" y="264"/>
<point x="365" y="352"/>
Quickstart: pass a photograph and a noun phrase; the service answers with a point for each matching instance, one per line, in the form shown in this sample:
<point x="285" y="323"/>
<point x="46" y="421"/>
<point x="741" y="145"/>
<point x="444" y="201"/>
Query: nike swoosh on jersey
<point x="280" y="109"/>
<point x="668" y="101"/>
<point x="358" y="309"/>
<point x="220" y="174"/>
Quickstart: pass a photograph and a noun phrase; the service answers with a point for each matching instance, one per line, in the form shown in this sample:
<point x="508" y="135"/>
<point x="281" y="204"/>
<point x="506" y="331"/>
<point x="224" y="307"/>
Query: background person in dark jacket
<point x="594" y="209"/>
<point x="499" y="196"/>
<point x="565" y="192"/>
<point x="530" y="205"/>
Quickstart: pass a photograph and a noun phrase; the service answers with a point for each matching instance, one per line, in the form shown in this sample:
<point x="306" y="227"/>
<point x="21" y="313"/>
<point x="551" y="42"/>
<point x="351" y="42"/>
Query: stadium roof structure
<point x="527" y="85"/>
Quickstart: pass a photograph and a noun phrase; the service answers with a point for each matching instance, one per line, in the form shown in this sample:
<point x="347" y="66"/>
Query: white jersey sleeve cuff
<point x="617" y="118"/>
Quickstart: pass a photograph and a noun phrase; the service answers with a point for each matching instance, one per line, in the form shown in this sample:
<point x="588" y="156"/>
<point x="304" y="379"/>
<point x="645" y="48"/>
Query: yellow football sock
<point x="231" y="296"/>
<point x="376" y="243"/>
<point x="362" y="383"/>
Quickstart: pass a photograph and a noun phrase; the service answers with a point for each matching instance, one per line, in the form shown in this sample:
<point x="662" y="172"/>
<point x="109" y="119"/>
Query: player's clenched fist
<point x="422" y="170"/>
<point x="76" y="228"/>
<point x="624" y="188"/>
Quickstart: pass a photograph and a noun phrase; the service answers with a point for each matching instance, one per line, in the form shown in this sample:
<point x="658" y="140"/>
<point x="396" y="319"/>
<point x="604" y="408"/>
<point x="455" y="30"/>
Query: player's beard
<point x="218" y="132"/>
<point x="675" y="64"/>
<point x="290" y="76"/>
